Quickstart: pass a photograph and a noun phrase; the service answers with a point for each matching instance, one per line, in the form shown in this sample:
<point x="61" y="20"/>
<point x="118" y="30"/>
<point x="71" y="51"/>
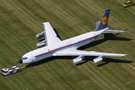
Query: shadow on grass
<point x="41" y="40"/>
<point x="51" y="59"/>
<point x="43" y="61"/>
<point x="57" y="33"/>
<point x="108" y="36"/>
<point x="110" y="60"/>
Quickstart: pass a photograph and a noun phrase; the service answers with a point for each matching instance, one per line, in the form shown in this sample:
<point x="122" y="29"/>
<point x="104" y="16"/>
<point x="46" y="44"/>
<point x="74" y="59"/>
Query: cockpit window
<point x="24" y="58"/>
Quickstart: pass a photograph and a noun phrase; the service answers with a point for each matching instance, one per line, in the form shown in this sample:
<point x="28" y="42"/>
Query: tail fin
<point x="104" y="21"/>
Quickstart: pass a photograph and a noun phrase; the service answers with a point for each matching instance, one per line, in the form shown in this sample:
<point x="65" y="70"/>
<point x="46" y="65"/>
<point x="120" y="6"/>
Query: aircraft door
<point x="32" y="58"/>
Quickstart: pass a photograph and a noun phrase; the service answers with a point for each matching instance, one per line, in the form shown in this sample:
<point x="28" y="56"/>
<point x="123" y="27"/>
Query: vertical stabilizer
<point x="104" y="21"/>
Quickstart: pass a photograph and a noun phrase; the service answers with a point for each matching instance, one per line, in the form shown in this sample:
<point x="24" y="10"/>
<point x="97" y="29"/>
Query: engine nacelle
<point x="40" y="44"/>
<point x="39" y="35"/>
<point x="98" y="59"/>
<point x="78" y="59"/>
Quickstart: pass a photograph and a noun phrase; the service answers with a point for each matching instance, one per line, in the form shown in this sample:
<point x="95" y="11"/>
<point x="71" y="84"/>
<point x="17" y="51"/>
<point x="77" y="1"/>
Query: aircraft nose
<point x="20" y="61"/>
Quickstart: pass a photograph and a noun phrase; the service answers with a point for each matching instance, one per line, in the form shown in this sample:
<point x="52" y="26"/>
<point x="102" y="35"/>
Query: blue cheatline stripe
<point x="61" y="48"/>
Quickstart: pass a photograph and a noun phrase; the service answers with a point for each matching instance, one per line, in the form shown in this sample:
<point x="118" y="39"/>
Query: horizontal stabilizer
<point x="113" y="31"/>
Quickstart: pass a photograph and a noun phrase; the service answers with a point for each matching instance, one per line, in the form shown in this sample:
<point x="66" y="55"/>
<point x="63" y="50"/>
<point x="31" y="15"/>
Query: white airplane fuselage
<point x="56" y="47"/>
<point x="72" y="43"/>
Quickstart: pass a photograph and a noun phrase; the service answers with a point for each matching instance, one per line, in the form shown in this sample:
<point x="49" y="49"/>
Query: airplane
<point x="69" y="47"/>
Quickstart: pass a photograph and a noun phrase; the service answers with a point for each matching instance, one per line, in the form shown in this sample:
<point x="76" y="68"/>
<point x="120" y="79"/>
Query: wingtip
<point x="124" y="54"/>
<point x="45" y="22"/>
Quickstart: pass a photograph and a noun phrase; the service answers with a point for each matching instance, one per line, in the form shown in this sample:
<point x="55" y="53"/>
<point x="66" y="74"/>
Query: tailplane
<point x="104" y="21"/>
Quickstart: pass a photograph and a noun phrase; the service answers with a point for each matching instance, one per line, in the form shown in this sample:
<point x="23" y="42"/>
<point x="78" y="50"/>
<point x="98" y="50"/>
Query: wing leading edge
<point x="85" y="53"/>
<point x="50" y="35"/>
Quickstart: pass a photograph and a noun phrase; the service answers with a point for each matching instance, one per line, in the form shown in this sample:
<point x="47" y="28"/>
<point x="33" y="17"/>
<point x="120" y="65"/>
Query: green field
<point x="21" y="20"/>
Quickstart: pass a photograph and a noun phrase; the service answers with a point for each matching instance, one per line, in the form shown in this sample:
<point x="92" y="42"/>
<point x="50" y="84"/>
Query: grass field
<point x="21" y="20"/>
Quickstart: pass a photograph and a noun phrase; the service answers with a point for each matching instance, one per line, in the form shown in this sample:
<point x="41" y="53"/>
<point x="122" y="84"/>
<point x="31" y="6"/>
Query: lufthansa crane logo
<point x="104" y="20"/>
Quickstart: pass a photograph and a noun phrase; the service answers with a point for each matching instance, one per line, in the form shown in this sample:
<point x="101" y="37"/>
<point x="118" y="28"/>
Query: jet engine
<point x="98" y="59"/>
<point x="40" y="44"/>
<point x="39" y="35"/>
<point x="78" y="59"/>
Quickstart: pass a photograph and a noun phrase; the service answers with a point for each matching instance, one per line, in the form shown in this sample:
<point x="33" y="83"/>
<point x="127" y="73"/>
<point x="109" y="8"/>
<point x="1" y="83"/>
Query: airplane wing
<point x="85" y="53"/>
<point x="50" y="35"/>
